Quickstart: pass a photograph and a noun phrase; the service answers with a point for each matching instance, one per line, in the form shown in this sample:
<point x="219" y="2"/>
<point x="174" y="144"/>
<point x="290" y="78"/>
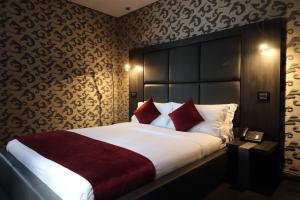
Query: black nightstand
<point x="254" y="165"/>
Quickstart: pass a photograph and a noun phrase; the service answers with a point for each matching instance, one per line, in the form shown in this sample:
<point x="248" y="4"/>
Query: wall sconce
<point x="265" y="50"/>
<point x="137" y="68"/>
<point x="127" y="67"/>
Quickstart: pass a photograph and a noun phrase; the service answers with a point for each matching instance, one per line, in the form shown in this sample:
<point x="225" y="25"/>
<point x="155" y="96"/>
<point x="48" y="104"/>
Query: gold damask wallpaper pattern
<point x="53" y="72"/>
<point x="168" y="20"/>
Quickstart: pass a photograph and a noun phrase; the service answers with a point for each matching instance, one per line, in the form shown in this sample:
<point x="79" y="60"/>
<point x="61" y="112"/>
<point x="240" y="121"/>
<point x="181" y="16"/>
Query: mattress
<point x="167" y="149"/>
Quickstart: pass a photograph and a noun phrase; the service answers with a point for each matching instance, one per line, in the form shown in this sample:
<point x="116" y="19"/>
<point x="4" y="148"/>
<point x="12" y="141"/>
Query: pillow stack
<point x="214" y="120"/>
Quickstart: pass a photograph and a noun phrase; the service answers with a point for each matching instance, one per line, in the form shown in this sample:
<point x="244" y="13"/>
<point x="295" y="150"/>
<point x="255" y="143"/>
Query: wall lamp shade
<point x="265" y="49"/>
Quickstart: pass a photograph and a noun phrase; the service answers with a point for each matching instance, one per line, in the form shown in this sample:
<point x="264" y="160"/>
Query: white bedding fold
<point x="167" y="149"/>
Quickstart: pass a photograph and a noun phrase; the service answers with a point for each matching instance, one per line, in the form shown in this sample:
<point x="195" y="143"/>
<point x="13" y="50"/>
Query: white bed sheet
<point x="167" y="149"/>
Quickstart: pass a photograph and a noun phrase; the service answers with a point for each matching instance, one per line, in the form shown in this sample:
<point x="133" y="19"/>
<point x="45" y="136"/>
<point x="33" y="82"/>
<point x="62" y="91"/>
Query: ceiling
<point x="114" y="8"/>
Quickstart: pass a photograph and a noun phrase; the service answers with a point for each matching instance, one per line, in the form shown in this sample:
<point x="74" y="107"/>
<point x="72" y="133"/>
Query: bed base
<point x="19" y="183"/>
<point x="195" y="179"/>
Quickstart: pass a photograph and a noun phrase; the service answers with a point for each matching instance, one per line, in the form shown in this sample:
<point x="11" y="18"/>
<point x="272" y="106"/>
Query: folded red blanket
<point x="111" y="170"/>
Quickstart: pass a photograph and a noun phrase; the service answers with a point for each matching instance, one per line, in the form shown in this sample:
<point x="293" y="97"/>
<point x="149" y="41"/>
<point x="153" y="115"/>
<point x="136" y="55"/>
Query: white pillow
<point x="228" y="124"/>
<point x="162" y="120"/>
<point x="213" y="115"/>
<point x="217" y="119"/>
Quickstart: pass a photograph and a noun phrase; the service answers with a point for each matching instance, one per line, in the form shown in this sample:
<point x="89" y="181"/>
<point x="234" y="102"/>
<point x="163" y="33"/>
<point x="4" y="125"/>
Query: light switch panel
<point x="263" y="96"/>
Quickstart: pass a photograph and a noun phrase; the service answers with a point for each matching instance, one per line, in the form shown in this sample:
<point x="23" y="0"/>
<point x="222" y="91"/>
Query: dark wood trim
<point x="193" y="40"/>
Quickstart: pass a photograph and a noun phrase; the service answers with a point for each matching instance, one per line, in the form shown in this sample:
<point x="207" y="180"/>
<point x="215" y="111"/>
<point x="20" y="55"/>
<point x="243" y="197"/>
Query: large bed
<point x="222" y="67"/>
<point x="167" y="149"/>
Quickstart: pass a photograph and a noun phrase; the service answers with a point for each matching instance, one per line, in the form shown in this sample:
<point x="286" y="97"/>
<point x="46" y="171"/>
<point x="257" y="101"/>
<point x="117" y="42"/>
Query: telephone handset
<point x="252" y="136"/>
<point x="245" y="132"/>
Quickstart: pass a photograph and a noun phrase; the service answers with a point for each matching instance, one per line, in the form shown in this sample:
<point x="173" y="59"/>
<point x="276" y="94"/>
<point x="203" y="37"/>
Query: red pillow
<point x="186" y="116"/>
<point x="147" y="112"/>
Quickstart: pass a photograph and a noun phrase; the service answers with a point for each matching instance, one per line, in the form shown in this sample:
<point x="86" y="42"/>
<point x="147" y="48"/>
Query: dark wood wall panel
<point x="136" y="80"/>
<point x="262" y="73"/>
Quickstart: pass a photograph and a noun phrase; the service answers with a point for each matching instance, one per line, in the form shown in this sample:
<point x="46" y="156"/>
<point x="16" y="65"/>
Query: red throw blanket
<point x="111" y="170"/>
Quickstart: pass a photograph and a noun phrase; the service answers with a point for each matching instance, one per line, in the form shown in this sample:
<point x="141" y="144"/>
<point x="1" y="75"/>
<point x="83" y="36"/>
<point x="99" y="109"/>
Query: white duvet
<point x="167" y="149"/>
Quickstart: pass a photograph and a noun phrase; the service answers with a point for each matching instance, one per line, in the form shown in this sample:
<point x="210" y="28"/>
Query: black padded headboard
<point x="214" y="69"/>
<point x="207" y="72"/>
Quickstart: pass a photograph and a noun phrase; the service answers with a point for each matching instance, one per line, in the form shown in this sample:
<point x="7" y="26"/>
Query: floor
<point x="2" y="195"/>
<point x="287" y="190"/>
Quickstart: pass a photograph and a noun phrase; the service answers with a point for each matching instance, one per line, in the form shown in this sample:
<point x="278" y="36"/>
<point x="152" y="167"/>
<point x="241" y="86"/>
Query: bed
<point x="199" y="157"/>
<point x="176" y="149"/>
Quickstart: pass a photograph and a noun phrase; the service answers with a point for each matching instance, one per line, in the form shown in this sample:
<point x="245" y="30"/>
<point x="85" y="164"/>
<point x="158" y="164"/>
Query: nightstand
<point x="254" y="165"/>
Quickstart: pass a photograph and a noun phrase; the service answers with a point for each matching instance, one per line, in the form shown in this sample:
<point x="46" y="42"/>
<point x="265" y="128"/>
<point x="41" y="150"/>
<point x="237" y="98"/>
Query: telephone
<point x="252" y="136"/>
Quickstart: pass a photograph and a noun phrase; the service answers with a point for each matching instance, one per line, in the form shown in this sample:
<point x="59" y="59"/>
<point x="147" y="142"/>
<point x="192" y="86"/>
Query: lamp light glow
<point x="265" y="50"/>
<point x="263" y="46"/>
<point x="127" y="67"/>
<point x="138" y="68"/>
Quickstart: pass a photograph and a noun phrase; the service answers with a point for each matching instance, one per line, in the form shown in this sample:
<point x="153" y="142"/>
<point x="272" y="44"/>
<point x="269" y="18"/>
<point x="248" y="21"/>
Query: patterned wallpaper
<point x="168" y="20"/>
<point x="50" y="50"/>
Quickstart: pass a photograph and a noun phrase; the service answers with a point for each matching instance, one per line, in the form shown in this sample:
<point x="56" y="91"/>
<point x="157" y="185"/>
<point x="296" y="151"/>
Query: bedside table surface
<point x="235" y="143"/>
<point x="265" y="147"/>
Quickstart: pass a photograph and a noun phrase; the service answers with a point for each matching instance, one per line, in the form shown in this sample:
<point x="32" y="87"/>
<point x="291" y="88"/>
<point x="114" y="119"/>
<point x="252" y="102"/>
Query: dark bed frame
<point x="222" y="67"/>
